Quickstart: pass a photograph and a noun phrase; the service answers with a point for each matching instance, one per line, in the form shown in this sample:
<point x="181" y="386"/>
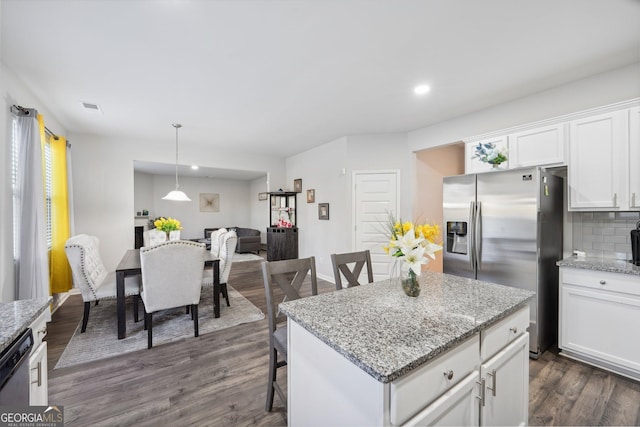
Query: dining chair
<point x="228" y="244"/>
<point x="171" y="277"/>
<point x="350" y="265"/>
<point x="288" y="276"/>
<point x="92" y="278"/>
<point x="216" y="240"/>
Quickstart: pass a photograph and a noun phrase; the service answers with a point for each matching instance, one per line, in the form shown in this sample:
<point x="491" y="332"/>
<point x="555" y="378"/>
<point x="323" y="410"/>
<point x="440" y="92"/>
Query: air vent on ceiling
<point x="91" y="107"/>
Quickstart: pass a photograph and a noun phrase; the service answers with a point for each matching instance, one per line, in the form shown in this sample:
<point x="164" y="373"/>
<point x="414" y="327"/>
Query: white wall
<point x="234" y="202"/>
<point x="595" y="91"/>
<point x="259" y="209"/>
<point x="13" y="92"/>
<point x="328" y="169"/>
<point x="103" y="180"/>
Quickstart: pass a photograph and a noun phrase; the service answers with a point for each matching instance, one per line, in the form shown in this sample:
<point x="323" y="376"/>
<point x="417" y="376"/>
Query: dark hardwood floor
<point x="220" y="379"/>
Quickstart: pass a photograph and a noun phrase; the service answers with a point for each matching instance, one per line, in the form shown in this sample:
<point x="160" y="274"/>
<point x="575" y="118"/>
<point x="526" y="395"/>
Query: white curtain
<point x="32" y="272"/>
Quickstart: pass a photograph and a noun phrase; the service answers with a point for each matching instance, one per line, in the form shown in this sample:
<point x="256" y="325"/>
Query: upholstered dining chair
<point x="92" y="278"/>
<point x="171" y="277"/>
<point x="216" y="241"/>
<point x="285" y="277"/>
<point x="350" y="265"/>
<point x="229" y="240"/>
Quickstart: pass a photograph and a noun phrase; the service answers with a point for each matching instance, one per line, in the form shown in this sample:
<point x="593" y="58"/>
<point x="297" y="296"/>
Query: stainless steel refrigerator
<point x="505" y="227"/>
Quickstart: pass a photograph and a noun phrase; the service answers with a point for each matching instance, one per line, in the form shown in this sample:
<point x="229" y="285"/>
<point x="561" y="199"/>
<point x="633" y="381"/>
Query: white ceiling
<point x="280" y="77"/>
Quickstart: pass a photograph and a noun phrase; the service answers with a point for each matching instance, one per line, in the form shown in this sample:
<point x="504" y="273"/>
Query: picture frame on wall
<point x="311" y="195"/>
<point x="262" y="196"/>
<point x="297" y="185"/>
<point x="323" y="210"/>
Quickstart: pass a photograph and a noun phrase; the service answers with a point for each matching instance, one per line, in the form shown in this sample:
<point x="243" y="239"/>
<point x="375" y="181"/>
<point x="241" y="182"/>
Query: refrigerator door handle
<point x="471" y="234"/>
<point x="478" y="235"/>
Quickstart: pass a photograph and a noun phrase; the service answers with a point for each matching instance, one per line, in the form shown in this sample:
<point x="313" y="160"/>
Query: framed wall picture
<point x="311" y="196"/>
<point x="262" y="196"/>
<point x="209" y="202"/>
<point x="297" y="185"/>
<point x="323" y="210"/>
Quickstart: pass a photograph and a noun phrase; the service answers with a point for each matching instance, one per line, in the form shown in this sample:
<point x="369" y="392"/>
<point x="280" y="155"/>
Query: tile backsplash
<point x="604" y="234"/>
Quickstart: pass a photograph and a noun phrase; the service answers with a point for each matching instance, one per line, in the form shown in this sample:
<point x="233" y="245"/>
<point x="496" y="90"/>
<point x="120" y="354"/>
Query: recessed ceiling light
<point x="421" y="89"/>
<point x="194" y="167"/>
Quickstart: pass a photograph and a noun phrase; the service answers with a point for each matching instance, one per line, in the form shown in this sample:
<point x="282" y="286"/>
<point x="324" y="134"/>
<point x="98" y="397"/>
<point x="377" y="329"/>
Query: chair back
<point x="87" y="268"/>
<point x="171" y="274"/>
<point x="350" y="265"/>
<point x="287" y="276"/>
<point x="227" y="249"/>
<point x="216" y="238"/>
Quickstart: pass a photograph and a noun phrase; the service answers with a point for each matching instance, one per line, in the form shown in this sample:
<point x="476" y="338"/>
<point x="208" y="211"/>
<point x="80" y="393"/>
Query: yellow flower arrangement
<point x="167" y="224"/>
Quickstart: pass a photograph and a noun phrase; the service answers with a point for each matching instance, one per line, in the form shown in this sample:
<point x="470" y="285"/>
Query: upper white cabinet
<point x="472" y="165"/>
<point x="634" y="158"/>
<point x="599" y="162"/>
<point x="537" y="147"/>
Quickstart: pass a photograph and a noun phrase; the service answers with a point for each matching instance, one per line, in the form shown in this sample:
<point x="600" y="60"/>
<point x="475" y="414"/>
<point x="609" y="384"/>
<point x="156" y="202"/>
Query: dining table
<point x="130" y="266"/>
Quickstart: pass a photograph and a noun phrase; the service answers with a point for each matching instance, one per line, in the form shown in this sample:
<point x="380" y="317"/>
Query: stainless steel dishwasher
<point x="14" y="371"/>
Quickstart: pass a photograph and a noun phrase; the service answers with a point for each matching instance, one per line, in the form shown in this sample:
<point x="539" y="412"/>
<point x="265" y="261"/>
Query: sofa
<point x="248" y="238"/>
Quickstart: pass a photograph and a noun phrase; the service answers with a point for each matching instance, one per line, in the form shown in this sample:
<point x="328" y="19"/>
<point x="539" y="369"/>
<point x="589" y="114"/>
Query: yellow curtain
<point x="59" y="270"/>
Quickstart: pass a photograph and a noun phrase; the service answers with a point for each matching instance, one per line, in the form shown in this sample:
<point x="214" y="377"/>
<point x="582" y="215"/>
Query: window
<point x="15" y="150"/>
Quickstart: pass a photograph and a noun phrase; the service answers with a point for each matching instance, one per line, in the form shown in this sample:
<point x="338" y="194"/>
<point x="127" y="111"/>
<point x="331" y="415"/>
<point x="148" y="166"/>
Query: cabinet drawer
<point x="39" y="327"/>
<point x="614" y="282"/>
<point x="502" y="333"/>
<point x="421" y="387"/>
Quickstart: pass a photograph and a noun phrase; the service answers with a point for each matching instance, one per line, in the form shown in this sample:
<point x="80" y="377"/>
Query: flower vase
<point x="173" y="235"/>
<point x="407" y="279"/>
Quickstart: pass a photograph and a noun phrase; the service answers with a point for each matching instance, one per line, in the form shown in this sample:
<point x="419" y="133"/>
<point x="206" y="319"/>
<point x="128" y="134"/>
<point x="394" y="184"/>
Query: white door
<point x="375" y="194"/>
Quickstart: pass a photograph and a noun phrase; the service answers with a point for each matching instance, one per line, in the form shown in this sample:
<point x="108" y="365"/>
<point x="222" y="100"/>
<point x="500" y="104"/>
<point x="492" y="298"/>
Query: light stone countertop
<point x="16" y="316"/>
<point x="600" y="264"/>
<point x="387" y="334"/>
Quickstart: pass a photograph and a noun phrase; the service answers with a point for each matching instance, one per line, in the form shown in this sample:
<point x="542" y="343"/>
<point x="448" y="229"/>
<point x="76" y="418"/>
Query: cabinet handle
<point x="493" y="381"/>
<point x="603" y="282"/>
<point x="514" y="330"/>
<point x="482" y="387"/>
<point x="615" y="200"/>
<point x="43" y="331"/>
<point x="39" y="369"/>
<point x="448" y="374"/>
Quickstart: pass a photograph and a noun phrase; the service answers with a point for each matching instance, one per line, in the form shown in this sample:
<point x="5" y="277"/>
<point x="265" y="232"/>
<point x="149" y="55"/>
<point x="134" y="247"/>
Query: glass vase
<point x="407" y="279"/>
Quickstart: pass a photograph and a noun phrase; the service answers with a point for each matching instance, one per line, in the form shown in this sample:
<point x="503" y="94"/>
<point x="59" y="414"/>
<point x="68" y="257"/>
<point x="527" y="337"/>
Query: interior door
<point x="376" y="194"/>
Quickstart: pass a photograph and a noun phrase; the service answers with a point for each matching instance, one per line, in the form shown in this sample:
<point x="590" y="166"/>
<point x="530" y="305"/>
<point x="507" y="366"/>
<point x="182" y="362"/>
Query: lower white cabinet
<point x="505" y="377"/>
<point x="598" y="314"/>
<point x="38" y="374"/>
<point x="38" y="388"/>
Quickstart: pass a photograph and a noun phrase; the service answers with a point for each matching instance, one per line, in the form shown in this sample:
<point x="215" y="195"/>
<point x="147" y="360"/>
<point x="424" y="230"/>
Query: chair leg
<point x="97" y="302"/>
<point x="194" y="314"/>
<point x="273" y="360"/>
<point x="187" y="310"/>
<point x="136" y="299"/>
<point x="149" y="321"/>
<point x="223" y="288"/>
<point x="85" y="317"/>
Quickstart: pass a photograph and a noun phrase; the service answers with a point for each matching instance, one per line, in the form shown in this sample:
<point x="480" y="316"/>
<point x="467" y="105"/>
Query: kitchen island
<point x="370" y="355"/>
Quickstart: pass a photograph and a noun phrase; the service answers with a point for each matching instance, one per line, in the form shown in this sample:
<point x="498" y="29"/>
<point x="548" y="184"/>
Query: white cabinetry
<point x="537" y="147"/>
<point x="38" y="377"/>
<point x="472" y="165"/>
<point x="634" y="158"/>
<point x="598" y="315"/>
<point x="599" y="162"/>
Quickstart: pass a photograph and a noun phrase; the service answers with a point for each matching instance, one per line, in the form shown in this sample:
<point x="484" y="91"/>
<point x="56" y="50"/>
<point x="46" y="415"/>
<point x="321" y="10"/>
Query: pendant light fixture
<point x="176" y="195"/>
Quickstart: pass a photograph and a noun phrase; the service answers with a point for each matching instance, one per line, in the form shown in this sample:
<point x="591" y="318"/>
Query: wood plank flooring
<point x="220" y="379"/>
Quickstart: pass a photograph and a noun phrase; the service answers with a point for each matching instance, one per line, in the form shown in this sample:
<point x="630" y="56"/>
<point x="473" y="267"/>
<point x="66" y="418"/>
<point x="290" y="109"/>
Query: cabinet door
<point x="472" y="165"/>
<point x="541" y="146"/>
<point x="634" y="158"/>
<point x="598" y="323"/>
<point x="39" y="385"/>
<point x="598" y="165"/>
<point x="457" y="407"/>
<point x="506" y="376"/>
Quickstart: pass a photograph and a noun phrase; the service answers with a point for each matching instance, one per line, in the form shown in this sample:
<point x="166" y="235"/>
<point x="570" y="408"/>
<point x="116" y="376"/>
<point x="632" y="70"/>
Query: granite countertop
<point x="16" y="316"/>
<point x="387" y="334"/>
<point x="600" y="264"/>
